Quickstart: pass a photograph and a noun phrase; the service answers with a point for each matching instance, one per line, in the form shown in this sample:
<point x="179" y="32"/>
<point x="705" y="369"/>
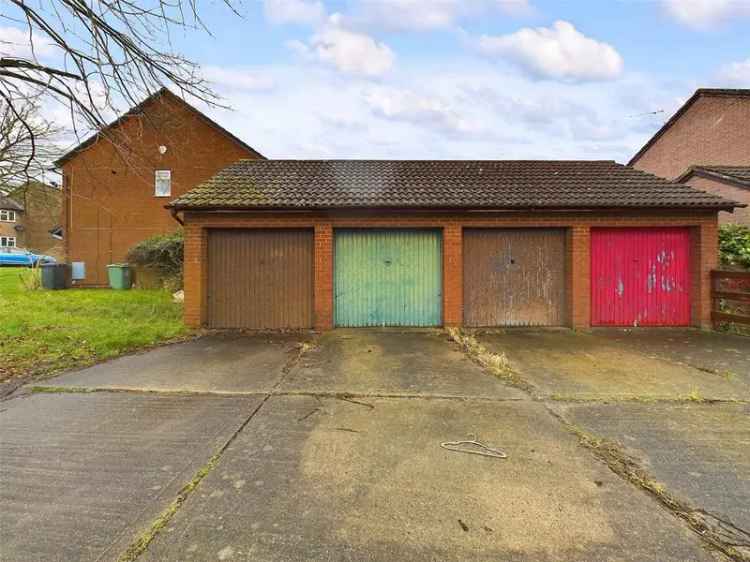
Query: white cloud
<point x="560" y="52"/>
<point x="294" y="11"/>
<point x="419" y="109"/>
<point x="422" y="15"/>
<point x="463" y="107"/>
<point x="348" y="51"/>
<point x="705" y="14"/>
<point x="16" y="43"/>
<point x="736" y="73"/>
<point x="238" y="78"/>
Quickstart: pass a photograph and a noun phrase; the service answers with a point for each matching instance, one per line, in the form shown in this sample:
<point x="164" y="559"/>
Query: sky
<point x="463" y="79"/>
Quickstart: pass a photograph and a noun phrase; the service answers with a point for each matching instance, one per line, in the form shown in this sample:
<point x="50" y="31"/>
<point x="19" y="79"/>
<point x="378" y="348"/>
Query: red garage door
<point x="640" y="277"/>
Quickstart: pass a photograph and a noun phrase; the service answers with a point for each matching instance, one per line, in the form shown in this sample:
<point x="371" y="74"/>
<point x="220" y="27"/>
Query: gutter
<point x="219" y="209"/>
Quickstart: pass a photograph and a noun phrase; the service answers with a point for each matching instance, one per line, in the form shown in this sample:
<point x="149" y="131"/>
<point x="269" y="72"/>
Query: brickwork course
<point x="233" y="200"/>
<point x="710" y="130"/>
<point x="110" y="203"/>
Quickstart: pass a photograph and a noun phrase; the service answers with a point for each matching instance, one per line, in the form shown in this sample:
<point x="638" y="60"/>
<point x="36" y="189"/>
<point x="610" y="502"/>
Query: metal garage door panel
<point x="514" y="277"/>
<point x="260" y="279"/>
<point x="387" y="278"/>
<point x="640" y="277"/>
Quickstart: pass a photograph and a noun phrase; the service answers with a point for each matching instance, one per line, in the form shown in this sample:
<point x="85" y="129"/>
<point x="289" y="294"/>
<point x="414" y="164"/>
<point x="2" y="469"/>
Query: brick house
<point x="320" y="244"/>
<point x="706" y="143"/>
<point x="28" y="215"/>
<point x="117" y="184"/>
<point x="731" y="182"/>
<point x="11" y="220"/>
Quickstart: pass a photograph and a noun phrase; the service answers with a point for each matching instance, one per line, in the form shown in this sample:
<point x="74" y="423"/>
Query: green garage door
<point x="387" y="278"/>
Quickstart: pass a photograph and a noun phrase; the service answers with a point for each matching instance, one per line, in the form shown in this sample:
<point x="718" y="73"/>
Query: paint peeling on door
<point x="640" y="277"/>
<point x="514" y="277"/>
<point x="620" y="288"/>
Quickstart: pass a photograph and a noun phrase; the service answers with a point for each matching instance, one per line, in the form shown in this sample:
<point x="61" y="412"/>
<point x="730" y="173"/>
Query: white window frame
<point x="6" y="215"/>
<point x="162" y="178"/>
<point x="8" y="242"/>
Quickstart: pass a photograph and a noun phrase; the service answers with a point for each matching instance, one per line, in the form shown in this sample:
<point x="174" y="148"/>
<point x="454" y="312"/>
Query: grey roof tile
<point x="497" y="184"/>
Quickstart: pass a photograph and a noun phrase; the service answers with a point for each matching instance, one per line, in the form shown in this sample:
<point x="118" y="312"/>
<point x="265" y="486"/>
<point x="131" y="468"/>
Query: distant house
<point x="28" y="214"/>
<point x="117" y="184"/>
<point x="706" y="143"/>
<point x="11" y="215"/>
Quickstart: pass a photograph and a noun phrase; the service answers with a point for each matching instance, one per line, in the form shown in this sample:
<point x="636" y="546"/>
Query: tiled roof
<point x="737" y="174"/>
<point x="138" y="109"/>
<point x="8" y="203"/>
<point x="493" y="184"/>
<point x="724" y="92"/>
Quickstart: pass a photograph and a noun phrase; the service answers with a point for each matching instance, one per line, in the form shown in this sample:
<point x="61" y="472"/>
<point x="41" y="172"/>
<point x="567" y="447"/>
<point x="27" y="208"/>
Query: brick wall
<point x="728" y="191"/>
<point x="713" y="130"/>
<point x="109" y="190"/>
<point x="703" y="233"/>
<point x="42" y="207"/>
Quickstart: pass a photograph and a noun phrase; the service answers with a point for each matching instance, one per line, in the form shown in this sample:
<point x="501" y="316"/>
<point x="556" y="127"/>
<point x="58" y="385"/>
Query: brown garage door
<point x="260" y="279"/>
<point x="514" y="277"/>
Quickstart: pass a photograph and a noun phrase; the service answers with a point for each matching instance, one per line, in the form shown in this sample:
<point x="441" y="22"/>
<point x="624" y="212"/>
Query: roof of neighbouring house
<point x="481" y="184"/>
<point x="138" y="109"/>
<point x="738" y="175"/>
<point x="8" y="203"/>
<point x="725" y="92"/>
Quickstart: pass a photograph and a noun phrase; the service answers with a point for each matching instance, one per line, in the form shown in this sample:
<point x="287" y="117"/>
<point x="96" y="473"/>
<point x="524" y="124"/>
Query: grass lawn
<point x="44" y="331"/>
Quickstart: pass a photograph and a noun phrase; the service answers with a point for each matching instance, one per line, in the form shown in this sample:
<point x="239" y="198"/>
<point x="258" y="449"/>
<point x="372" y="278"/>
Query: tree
<point x="26" y="144"/>
<point x="96" y="57"/>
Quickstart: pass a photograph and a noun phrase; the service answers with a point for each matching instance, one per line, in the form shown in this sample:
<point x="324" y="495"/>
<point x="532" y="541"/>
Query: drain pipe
<point x="173" y="212"/>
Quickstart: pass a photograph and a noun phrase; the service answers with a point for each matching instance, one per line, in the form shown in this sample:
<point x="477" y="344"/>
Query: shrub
<point x="164" y="253"/>
<point x="734" y="245"/>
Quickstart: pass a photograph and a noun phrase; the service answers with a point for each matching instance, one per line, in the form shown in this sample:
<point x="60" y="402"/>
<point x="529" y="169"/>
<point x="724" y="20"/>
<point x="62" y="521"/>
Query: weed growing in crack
<point x="497" y="362"/>
<point x="142" y="541"/>
<point x="628" y="468"/>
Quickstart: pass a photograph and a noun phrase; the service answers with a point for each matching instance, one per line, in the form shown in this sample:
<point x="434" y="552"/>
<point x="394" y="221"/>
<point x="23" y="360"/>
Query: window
<point x="7" y="216"/>
<point x="163" y="183"/>
<point x="7" y="241"/>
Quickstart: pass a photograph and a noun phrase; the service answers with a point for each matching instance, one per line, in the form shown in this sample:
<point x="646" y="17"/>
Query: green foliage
<point x="734" y="245"/>
<point x="31" y="278"/>
<point x="45" y="331"/>
<point x="164" y="253"/>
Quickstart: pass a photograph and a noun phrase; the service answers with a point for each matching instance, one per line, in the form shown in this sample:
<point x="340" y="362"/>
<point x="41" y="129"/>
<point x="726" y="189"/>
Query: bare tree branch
<point x="98" y="57"/>
<point x="27" y="143"/>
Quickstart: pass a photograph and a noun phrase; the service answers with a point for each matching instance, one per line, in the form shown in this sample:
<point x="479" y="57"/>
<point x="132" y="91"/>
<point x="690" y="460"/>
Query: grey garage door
<point x="514" y="277"/>
<point x="260" y="279"/>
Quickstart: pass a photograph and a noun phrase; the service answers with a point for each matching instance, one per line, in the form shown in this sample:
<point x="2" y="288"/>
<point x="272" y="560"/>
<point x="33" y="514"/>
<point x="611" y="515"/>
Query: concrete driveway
<point x="328" y="447"/>
<point x="79" y="473"/>
<point x="618" y="365"/>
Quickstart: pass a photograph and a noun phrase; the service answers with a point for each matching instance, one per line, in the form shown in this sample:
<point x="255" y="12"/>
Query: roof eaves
<point x="9" y="203"/>
<point x="725" y="205"/>
<point x="706" y="172"/>
<point x="671" y="121"/>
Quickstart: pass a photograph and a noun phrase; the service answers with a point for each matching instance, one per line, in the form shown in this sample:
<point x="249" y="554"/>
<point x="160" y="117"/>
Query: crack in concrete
<point x="646" y="400"/>
<point x="272" y="392"/>
<point x="142" y="542"/>
<point x="724" y="536"/>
